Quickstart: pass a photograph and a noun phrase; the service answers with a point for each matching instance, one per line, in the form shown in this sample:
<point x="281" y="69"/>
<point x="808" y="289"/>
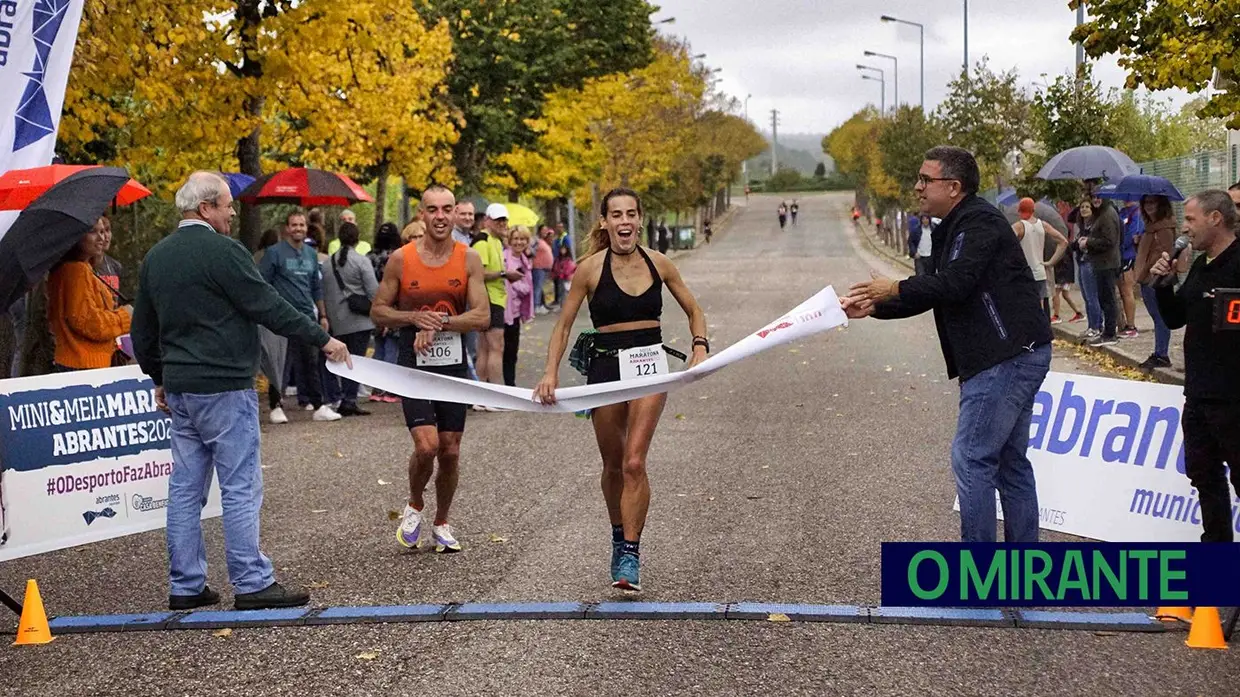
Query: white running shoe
<point x="410" y="527"/>
<point x="326" y="413"/>
<point x="479" y="407"/>
<point x="277" y="416"/>
<point x="309" y="407"/>
<point x="444" y="541"/>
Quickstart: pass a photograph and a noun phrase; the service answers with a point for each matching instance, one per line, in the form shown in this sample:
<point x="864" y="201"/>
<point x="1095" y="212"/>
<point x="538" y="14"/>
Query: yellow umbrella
<point x="520" y="215"/>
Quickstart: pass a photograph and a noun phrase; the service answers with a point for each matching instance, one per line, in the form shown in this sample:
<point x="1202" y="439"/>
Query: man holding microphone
<point x="1207" y="304"/>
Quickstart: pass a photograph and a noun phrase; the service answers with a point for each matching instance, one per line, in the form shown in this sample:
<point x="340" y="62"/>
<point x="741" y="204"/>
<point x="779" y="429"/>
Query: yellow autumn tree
<point x="168" y="87"/>
<point x="621" y="129"/>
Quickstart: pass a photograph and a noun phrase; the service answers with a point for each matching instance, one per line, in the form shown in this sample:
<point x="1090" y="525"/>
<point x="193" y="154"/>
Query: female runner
<point x="624" y="286"/>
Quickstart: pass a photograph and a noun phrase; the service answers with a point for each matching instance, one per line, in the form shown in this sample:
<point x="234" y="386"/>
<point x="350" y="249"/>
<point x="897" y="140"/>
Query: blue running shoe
<point x="616" y="548"/>
<point x="628" y="576"/>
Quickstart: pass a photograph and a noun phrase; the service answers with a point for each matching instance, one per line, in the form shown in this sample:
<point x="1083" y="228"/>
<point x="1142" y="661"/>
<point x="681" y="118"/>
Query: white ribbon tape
<point x="818" y="314"/>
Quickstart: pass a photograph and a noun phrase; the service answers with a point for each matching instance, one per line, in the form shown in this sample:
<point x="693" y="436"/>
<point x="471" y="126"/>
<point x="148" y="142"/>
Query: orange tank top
<point x="425" y="288"/>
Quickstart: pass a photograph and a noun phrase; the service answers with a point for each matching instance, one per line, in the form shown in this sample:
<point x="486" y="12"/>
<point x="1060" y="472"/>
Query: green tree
<point x="903" y="140"/>
<point x="1070" y="112"/>
<point x="1171" y="43"/>
<point x="987" y="114"/>
<point x="820" y="171"/>
<point x="509" y="54"/>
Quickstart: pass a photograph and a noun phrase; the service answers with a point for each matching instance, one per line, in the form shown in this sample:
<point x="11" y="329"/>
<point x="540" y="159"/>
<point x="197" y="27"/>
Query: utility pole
<point x="774" y="141"/>
<point x="966" y="39"/>
<point x="1080" y="46"/>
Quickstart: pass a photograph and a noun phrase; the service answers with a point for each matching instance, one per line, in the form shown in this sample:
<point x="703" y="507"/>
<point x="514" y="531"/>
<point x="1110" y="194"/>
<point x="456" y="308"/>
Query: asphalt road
<point x="775" y="480"/>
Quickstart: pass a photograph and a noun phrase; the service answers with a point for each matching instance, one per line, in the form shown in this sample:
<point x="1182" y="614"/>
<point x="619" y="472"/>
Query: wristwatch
<point x="702" y="341"/>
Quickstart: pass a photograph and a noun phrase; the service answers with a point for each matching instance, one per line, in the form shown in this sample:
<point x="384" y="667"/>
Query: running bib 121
<point x="445" y="350"/>
<point x="643" y="362"/>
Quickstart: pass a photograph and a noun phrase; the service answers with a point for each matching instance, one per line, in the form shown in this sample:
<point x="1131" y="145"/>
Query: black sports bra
<point x="611" y="305"/>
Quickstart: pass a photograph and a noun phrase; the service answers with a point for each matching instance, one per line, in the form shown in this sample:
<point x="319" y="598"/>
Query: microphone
<point x="1181" y="243"/>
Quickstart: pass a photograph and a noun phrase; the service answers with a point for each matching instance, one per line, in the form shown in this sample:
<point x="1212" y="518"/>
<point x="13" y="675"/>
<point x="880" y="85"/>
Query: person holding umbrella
<point x="81" y="310"/>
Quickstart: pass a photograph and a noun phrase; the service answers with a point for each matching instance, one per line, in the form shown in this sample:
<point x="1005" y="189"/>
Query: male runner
<point x="427" y="287"/>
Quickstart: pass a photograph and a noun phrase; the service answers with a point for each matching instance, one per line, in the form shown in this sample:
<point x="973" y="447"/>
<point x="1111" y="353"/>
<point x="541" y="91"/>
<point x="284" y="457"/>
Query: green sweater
<point x="200" y="301"/>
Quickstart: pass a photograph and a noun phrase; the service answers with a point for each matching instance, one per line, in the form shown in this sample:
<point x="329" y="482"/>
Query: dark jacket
<point x="200" y="301"/>
<point x="1106" y="236"/>
<point x="1211" y="359"/>
<point x="985" y="301"/>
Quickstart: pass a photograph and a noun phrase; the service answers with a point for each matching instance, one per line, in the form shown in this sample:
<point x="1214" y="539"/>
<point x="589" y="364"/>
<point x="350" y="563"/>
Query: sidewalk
<point x="1128" y="352"/>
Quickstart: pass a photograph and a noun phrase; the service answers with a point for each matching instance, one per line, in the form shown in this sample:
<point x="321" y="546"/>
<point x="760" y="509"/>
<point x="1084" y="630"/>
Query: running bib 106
<point x="643" y="362"/>
<point x="445" y="350"/>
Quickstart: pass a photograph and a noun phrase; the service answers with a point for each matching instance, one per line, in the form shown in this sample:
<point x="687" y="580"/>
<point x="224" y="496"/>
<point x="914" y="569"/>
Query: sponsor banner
<point x="1109" y="459"/>
<point x="36" y="48"/>
<point x="84" y="456"/>
<point x="817" y="314"/>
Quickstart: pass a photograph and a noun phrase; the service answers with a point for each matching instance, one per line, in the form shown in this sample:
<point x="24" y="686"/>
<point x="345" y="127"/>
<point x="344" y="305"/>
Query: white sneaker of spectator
<point x="277" y="416"/>
<point x="326" y="413"/>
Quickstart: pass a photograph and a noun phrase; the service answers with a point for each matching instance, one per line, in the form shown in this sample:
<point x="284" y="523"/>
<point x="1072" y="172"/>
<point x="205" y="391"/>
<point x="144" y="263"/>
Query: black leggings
<point x="512" y="343"/>
<point x="306" y="367"/>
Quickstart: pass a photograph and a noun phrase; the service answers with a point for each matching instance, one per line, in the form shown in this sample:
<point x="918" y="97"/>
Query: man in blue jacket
<point x="994" y="335"/>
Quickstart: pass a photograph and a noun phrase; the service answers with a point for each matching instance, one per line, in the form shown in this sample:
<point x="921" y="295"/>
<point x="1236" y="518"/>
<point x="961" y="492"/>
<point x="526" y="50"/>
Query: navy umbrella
<point x="1089" y="162"/>
<point x="237" y="182"/>
<point x="51" y="225"/>
<point x="1134" y="186"/>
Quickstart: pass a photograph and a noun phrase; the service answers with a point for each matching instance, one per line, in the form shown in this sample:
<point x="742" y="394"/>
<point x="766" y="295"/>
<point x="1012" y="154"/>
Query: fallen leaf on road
<point x="778" y="617"/>
<point x="794" y="350"/>
<point x="710" y="498"/>
<point x="317" y="585"/>
<point x="393" y="515"/>
<point x="766" y="467"/>
<point x="680" y="417"/>
<point x="497" y="539"/>
<point x="887" y="369"/>
<point x="383" y="483"/>
<point x="367" y="655"/>
<point x="339" y="454"/>
<point x="222" y="633"/>
<point x="319" y="510"/>
<point x="705" y="396"/>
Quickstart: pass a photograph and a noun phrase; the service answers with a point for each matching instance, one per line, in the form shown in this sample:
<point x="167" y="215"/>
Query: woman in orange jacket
<point x="81" y="310"/>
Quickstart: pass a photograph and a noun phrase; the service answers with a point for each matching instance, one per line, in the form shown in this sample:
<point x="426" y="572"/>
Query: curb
<point x="1128" y="621"/>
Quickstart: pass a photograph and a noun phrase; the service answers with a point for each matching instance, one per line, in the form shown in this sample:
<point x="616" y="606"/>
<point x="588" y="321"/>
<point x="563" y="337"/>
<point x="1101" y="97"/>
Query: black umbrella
<point x="51" y="225"/>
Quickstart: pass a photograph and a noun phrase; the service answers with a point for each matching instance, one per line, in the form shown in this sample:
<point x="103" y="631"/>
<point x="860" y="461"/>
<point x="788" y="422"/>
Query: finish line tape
<point x="610" y="610"/>
<point x="818" y="314"/>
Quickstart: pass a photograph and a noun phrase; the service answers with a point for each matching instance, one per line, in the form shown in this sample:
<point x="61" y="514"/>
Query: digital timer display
<point x="1226" y="309"/>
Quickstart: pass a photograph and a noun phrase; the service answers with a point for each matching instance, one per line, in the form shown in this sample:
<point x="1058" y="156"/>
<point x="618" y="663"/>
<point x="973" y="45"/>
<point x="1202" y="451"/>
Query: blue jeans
<point x="1089" y="291"/>
<point x="215" y="434"/>
<point x="387" y="347"/>
<point x="992" y="437"/>
<point x="1162" y="335"/>
<point x="539" y="277"/>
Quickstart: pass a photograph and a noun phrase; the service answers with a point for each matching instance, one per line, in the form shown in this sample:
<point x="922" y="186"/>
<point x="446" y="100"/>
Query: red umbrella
<point x="305" y="187"/>
<point x="20" y="187"/>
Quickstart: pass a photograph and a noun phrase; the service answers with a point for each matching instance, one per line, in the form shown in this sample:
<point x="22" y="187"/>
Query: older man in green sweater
<point x="195" y="333"/>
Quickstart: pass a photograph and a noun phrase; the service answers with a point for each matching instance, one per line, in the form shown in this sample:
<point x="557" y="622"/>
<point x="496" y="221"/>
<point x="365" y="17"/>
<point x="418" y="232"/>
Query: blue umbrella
<point x="237" y="182"/>
<point x="1134" y="186"/>
<point x="1008" y="197"/>
<point x="1089" y="162"/>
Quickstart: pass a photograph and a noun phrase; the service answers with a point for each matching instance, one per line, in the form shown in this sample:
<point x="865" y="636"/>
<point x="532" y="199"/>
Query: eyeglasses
<point x="926" y="181"/>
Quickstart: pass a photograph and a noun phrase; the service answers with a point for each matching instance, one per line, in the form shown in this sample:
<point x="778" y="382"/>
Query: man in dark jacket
<point x="994" y="335"/>
<point x="1102" y="247"/>
<point x="1211" y="419"/>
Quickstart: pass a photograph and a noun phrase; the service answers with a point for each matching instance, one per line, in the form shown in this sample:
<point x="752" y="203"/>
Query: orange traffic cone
<point x="33" y="629"/>
<point x="1173" y="614"/>
<point x="1207" y="631"/>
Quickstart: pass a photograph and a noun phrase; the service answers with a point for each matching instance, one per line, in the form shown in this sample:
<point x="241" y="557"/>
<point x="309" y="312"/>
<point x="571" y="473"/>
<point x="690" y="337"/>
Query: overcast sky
<point x="800" y="55"/>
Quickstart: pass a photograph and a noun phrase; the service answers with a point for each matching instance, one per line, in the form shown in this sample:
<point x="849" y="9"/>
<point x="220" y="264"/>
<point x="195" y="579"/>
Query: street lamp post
<point x="966" y="39"/>
<point x="895" y="70"/>
<point x="882" y="77"/>
<point x="921" y="29"/>
<point x="882" y="87"/>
